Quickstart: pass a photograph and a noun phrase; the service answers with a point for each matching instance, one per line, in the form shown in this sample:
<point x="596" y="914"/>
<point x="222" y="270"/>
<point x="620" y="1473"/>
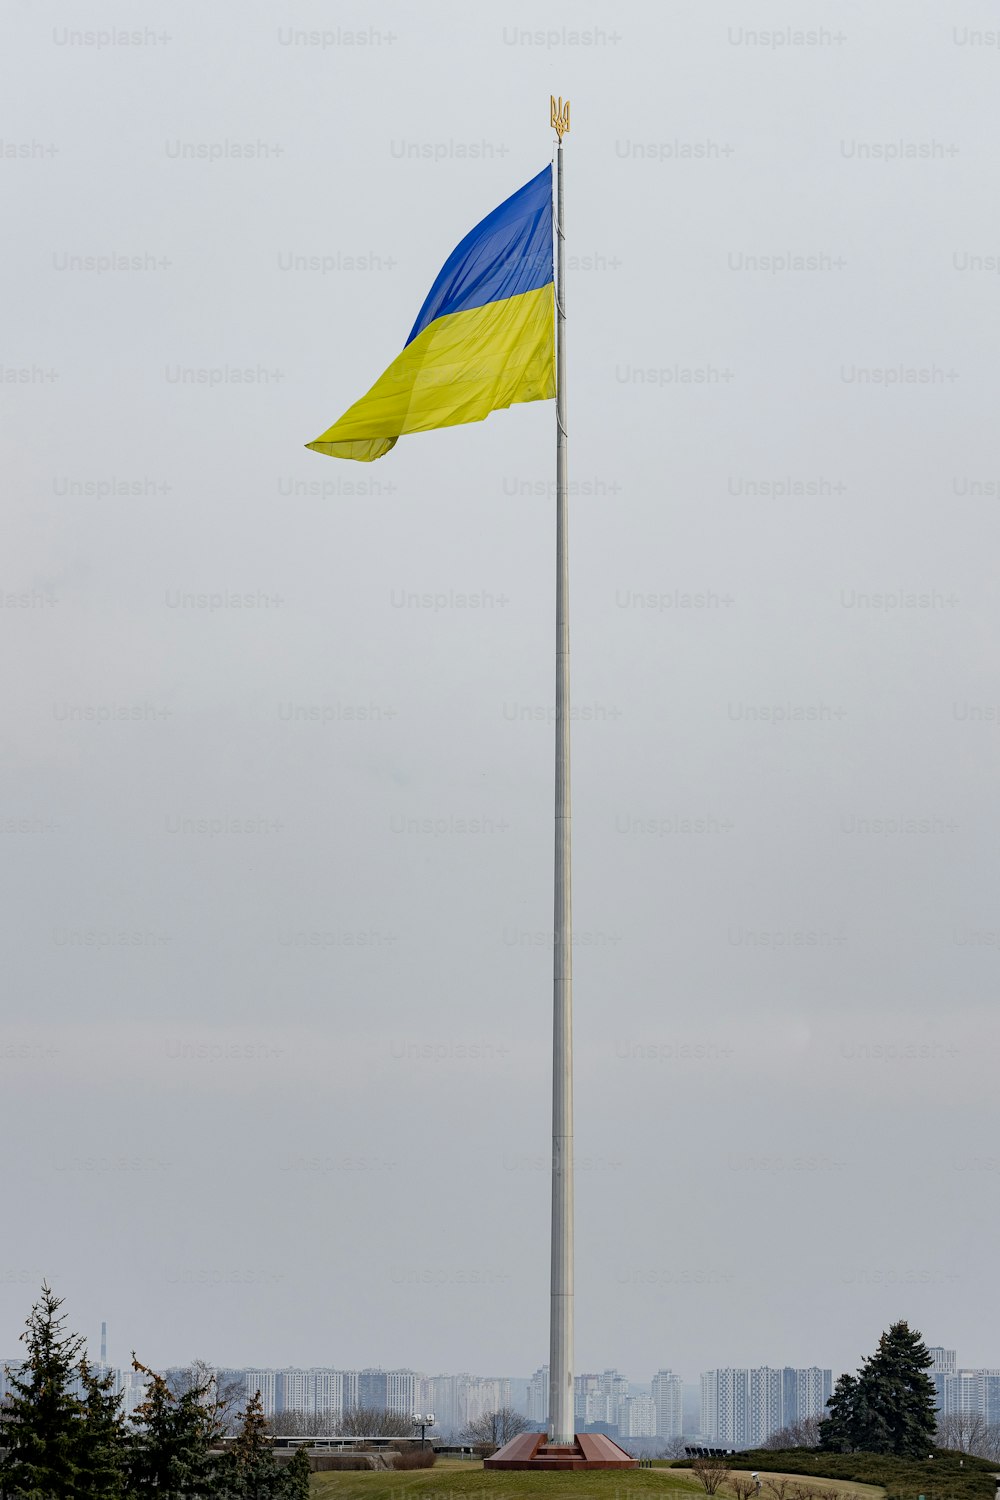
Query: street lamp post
<point x="423" y="1422"/>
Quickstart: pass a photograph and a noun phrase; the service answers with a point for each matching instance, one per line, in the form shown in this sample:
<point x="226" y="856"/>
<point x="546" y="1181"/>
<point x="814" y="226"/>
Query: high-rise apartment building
<point x="328" y="1391"/>
<point x="991" y="1395"/>
<point x="477" y="1395"/>
<point x="437" y="1393"/>
<point x="372" y="1389"/>
<point x="668" y="1397"/>
<point x="8" y="1367"/>
<point x="804" y="1394"/>
<point x="266" y="1382"/>
<point x="133" y="1387"/>
<point x="388" y="1390"/>
<point x="637" y="1417"/>
<point x="538" y="1397"/>
<point x="309" y="1391"/>
<point x="293" y="1391"/>
<point x="741" y="1408"/>
<point x="349" y="1387"/>
<point x="725" y="1406"/>
<point x="598" y="1399"/>
<point x="401" y="1392"/>
<point x="945" y="1364"/>
<point x="767" y="1406"/>
<point x="972" y="1393"/>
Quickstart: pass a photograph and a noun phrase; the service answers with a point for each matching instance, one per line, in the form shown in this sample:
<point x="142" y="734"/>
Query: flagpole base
<point x="532" y="1450"/>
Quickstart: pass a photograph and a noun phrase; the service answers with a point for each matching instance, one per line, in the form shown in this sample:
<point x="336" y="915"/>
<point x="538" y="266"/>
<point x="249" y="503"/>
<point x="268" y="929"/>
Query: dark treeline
<point x="63" y="1435"/>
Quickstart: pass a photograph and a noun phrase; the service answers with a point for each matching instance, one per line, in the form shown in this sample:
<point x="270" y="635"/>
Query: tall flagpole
<point x="561" y="1404"/>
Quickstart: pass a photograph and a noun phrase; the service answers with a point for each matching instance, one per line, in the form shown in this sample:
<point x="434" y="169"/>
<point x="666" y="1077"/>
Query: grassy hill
<point x="946" y="1476"/>
<point x="862" y="1476"/>
<point x="470" y="1481"/>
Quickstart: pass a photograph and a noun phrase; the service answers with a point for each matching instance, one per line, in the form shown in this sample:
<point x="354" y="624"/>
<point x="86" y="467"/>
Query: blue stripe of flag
<point x="509" y="252"/>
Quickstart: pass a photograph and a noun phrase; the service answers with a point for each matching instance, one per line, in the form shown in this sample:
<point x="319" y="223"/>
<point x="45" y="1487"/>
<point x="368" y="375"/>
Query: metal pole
<point x="561" y="1412"/>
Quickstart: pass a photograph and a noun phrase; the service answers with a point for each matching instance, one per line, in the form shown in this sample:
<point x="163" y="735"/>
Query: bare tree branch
<point x="494" y="1428"/>
<point x="223" y="1398"/>
<point x="712" y="1472"/>
<point x="306" y="1424"/>
<point x="373" y="1421"/>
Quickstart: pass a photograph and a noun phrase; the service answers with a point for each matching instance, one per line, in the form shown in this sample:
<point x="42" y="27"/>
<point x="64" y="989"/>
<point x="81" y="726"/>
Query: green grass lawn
<point x="470" y="1481"/>
<point x="846" y="1477"/>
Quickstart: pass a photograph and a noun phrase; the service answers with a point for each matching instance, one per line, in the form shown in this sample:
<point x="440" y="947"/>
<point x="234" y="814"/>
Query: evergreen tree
<point x="838" y="1431"/>
<point x="889" y="1406"/>
<point x="900" y="1416"/>
<point x="295" y="1477"/>
<point x="170" y="1451"/>
<point x="41" y="1423"/>
<point x="251" y="1471"/>
<point x="102" y="1438"/>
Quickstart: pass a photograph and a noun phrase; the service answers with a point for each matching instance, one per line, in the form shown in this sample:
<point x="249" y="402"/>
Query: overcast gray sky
<point x="275" y="1041"/>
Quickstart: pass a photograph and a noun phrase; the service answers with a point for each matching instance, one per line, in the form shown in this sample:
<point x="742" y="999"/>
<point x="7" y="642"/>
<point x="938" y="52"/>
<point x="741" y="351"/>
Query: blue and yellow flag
<point x="482" y="340"/>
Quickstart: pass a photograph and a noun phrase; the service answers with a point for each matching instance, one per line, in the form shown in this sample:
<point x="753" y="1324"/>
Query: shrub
<point x="415" y="1458"/>
<point x="712" y="1472"/>
<point x="948" y="1476"/>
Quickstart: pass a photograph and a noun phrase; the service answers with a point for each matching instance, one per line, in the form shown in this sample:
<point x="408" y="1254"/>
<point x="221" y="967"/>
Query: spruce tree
<point x="102" y="1438"/>
<point x="900" y="1415"/>
<point x="889" y="1407"/>
<point x="251" y="1471"/>
<point x="170" y="1451"/>
<point x="41" y="1423"/>
<point x="837" y="1432"/>
<point x="295" y="1477"/>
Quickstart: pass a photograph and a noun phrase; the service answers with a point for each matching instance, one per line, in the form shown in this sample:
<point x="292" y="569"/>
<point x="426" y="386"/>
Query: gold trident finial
<point x="559" y="116"/>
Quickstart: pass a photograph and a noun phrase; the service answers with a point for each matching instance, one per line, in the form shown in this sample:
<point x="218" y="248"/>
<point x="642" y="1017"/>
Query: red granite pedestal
<point x="589" y="1450"/>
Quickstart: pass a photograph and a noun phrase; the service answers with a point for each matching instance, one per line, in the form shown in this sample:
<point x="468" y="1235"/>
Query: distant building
<point x="767" y="1401"/>
<point x="372" y="1389"/>
<point x="945" y="1364"/>
<point x="668" y="1398"/>
<point x="293" y="1391"/>
<point x="991" y="1395"/>
<point x="637" y="1417"/>
<point x="401" y="1391"/>
<point x="741" y="1408"/>
<point x="349" y="1385"/>
<point x="519" y="1394"/>
<point x="328" y="1391"/>
<point x="266" y="1382"/>
<point x="599" y="1399"/>
<point x="309" y="1392"/>
<point x="477" y="1395"/>
<point x="804" y="1394"/>
<point x="8" y="1367"/>
<point x="538" y="1397"/>
<point x="438" y="1393"/>
<point x="972" y="1393"/>
<point x="133" y="1385"/>
<point x="725" y="1406"/>
<point x="388" y="1390"/>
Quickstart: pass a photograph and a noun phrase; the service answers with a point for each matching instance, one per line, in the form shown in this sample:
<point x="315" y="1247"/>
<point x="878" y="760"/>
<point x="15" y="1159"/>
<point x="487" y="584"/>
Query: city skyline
<point x="739" y="1407"/>
<point x="945" y="1361"/>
